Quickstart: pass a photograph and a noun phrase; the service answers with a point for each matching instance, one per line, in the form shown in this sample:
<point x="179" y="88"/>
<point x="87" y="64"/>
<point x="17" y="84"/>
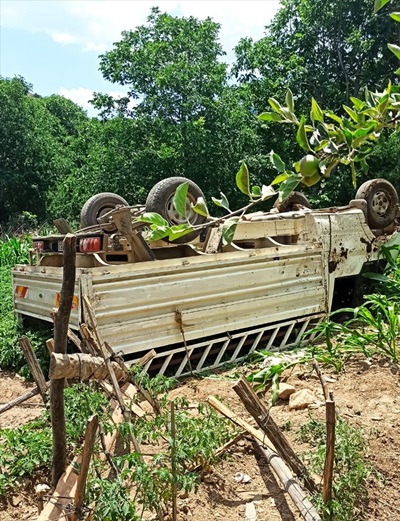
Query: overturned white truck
<point x="203" y="300"/>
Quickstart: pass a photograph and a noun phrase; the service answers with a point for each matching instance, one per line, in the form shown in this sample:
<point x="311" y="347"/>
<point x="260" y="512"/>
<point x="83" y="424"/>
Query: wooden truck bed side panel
<point x="214" y="294"/>
<point x="37" y="290"/>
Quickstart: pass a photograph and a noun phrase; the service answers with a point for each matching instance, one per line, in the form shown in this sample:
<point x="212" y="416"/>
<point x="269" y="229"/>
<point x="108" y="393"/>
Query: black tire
<point x="99" y="205"/>
<point x="382" y="202"/>
<point x="293" y="202"/>
<point x="160" y="200"/>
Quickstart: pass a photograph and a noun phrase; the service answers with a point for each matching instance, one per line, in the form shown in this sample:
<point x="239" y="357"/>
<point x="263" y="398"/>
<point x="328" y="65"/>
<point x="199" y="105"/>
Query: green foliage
<point x="351" y="469"/>
<point x="147" y="485"/>
<point x="14" y="251"/>
<point x="27" y="449"/>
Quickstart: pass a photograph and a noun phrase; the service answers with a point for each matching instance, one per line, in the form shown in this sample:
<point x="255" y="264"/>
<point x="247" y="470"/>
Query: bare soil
<point x="367" y="396"/>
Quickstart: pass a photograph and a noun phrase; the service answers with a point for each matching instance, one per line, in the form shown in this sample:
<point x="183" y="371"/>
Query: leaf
<point x="333" y="116"/>
<point x="277" y="162"/>
<point x="276" y="106"/>
<point x="290" y="116"/>
<point x="180" y="199"/>
<point x="267" y="192"/>
<point x="358" y="103"/>
<point x="242" y="179"/>
<point x="327" y="166"/>
<point x="395" y="49"/>
<point x="175" y="232"/>
<point x="223" y="202"/>
<point x="287" y="187"/>
<point x="316" y="112"/>
<point x="269" y="116"/>
<point x="158" y="233"/>
<point x="351" y="113"/>
<point x="379" y="4"/>
<point x="228" y="230"/>
<point x="256" y="190"/>
<point x="289" y="100"/>
<point x="152" y="218"/>
<point x="200" y="207"/>
<point x="280" y="178"/>
<point x="301" y="135"/>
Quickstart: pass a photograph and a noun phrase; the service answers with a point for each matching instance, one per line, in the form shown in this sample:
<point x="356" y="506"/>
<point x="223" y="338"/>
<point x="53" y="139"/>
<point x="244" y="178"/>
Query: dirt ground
<point x="367" y="396"/>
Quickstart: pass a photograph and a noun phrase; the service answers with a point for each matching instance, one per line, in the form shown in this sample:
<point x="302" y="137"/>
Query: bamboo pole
<point x="290" y="484"/>
<point x="303" y="504"/>
<point x="82" y="366"/>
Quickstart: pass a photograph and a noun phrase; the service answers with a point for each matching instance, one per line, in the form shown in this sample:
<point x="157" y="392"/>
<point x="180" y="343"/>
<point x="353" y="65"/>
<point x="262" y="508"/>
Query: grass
<point x="15" y="251"/>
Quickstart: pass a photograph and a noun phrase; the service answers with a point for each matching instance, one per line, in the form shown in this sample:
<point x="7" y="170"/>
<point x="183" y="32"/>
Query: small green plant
<point x="350" y="472"/>
<point x="27" y="449"/>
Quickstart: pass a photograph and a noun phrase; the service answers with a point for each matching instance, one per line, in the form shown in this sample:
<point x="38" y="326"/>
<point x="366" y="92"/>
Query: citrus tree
<point x="327" y="140"/>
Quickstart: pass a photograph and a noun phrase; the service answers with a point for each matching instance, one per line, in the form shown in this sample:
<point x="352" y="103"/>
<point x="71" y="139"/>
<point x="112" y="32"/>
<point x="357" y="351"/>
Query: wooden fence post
<point x="61" y="321"/>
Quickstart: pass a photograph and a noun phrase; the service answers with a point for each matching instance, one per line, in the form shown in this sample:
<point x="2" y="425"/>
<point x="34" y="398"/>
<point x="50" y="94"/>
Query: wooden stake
<point x="61" y="321"/>
<point x="34" y="366"/>
<point x="90" y="437"/>
<point x="330" y="449"/>
<point x="264" y="420"/>
<point x="107" y="361"/>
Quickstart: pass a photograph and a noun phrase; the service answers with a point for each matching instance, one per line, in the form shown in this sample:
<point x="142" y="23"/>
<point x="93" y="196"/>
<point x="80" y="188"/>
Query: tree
<point x="329" y="51"/>
<point x="179" y="116"/>
<point x="26" y="150"/>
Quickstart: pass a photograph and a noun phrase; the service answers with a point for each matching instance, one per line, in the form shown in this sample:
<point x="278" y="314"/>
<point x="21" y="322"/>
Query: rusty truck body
<point x="205" y="301"/>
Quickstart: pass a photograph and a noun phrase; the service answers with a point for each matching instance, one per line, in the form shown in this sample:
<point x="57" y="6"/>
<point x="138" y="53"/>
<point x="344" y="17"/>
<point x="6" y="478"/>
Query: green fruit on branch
<point x="309" y="165"/>
<point x="311" y="180"/>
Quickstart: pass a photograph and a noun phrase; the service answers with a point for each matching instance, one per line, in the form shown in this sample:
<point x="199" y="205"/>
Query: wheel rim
<point x="173" y="216"/>
<point x="104" y="210"/>
<point x="380" y="203"/>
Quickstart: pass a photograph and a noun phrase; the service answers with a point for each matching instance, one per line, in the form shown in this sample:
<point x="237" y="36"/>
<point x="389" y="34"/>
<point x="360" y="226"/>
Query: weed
<point x="350" y="472"/>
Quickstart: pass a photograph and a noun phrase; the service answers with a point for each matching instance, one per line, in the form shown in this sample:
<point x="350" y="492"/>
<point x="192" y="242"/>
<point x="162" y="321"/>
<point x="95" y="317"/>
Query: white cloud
<point x="63" y="38"/>
<point x="96" y="24"/>
<point x="80" y="96"/>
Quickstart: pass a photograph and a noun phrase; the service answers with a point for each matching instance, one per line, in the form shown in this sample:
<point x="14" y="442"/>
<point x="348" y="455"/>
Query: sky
<point x="55" y="44"/>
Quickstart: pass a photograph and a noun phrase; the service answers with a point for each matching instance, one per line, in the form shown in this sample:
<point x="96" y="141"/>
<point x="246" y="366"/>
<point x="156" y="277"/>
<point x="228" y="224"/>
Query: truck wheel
<point x="292" y="203"/>
<point x="382" y="202"/>
<point x="99" y="205"/>
<point x="160" y="200"/>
